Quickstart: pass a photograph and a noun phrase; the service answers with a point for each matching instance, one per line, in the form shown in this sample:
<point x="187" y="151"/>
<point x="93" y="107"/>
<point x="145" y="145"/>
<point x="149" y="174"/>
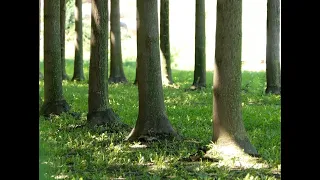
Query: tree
<point x="228" y="128"/>
<point x="99" y="112"/>
<point x="138" y="22"/>
<point x="54" y="102"/>
<point x="78" y="74"/>
<point x="199" y="77"/>
<point x="40" y="74"/>
<point x="135" y="82"/>
<point x="62" y="36"/>
<point x="165" y="43"/>
<point x="273" y="46"/>
<point x="116" y="69"/>
<point x="152" y="119"/>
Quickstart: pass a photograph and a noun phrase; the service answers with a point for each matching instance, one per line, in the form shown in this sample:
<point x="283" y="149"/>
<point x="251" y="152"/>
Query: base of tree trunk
<point x="65" y="77"/>
<point x="152" y="137"/>
<point x="146" y="135"/>
<point x="117" y="80"/>
<point x="166" y="81"/>
<point x="273" y="90"/>
<point x="54" y="107"/>
<point x="78" y="78"/>
<point x="235" y="147"/>
<point x="196" y="87"/>
<point x="108" y="117"/>
<point x="135" y="82"/>
<point x="232" y="153"/>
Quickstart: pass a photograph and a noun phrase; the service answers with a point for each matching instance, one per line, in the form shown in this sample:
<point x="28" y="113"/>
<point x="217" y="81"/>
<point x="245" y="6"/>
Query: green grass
<point x="67" y="152"/>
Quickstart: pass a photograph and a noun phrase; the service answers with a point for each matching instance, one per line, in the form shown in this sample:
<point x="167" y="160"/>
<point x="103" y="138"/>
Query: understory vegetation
<point x="71" y="150"/>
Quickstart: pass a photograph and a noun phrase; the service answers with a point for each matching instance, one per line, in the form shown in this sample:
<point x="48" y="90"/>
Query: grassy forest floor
<point x="69" y="150"/>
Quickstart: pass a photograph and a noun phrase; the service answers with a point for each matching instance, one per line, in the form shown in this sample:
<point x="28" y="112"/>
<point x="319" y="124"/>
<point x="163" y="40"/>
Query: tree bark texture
<point x="199" y="78"/>
<point x="116" y="69"/>
<point x="78" y="74"/>
<point x="273" y="71"/>
<point x="99" y="112"/>
<point x="165" y="43"/>
<point x="152" y="119"/>
<point x="40" y="74"/>
<point x="228" y="127"/>
<point x="54" y="102"/>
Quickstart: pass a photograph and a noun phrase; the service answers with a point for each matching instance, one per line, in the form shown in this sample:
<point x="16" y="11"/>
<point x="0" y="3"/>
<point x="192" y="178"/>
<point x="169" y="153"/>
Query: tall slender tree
<point x="165" y="43"/>
<point x="199" y="77"/>
<point x="138" y="22"/>
<point x="78" y="74"/>
<point x="54" y="102"/>
<point x="228" y="128"/>
<point x="99" y="112"/>
<point x="152" y="119"/>
<point x="40" y="74"/>
<point x="62" y="36"/>
<point x="116" y="66"/>
<point x="273" y="71"/>
<point x="135" y="82"/>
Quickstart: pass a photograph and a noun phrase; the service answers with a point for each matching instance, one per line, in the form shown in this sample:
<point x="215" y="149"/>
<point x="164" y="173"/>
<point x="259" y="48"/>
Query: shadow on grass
<point x="81" y="152"/>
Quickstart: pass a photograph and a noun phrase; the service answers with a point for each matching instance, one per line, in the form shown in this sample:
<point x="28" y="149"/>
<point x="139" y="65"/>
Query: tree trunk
<point x="62" y="35"/>
<point x="116" y="69"/>
<point x="273" y="46"/>
<point x="135" y="82"/>
<point x="40" y="74"/>
<point x="228" y="128"/>
<point x="138" y="22"/>
<point x="78" y="74"/>
<point x="199" y="78"/>
<point x="99" y="112"/>
<point x="165" y="43"/>
<point x="152" y="119"/>
<point x="54" y="102"/>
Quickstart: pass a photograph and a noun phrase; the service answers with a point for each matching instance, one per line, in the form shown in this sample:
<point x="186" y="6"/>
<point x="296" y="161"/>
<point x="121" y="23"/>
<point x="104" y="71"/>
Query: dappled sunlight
<point x="60" y="176"/>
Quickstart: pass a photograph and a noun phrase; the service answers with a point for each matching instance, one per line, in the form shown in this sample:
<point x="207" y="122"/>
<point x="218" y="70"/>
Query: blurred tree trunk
<point x="138" y="22"/>
<point x="228" y="128"/>
<point x="54" y="102"/>
<point x="116" y="69"/>
<point x="165" y="43"/>
<point x="40" y="74"/>
<point x="136" y="77"/>
<point x="99" y="112"/>
<point x="273" y="71"/>
<point x="152" y="119"/>
<point x="62" y="34"/>
<point x="78" y="74"/>
<point x="199" y="78"/>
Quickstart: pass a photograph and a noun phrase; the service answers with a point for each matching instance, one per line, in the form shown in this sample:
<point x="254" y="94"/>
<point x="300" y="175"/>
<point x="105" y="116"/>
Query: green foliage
<point x="70" y="6"/>
<point x="79" y="152"/>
